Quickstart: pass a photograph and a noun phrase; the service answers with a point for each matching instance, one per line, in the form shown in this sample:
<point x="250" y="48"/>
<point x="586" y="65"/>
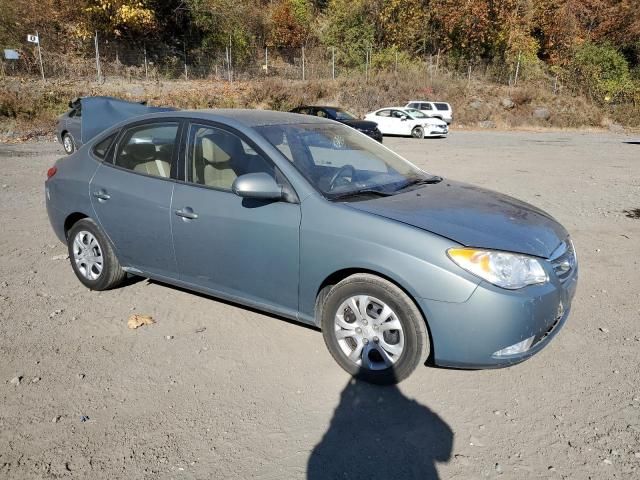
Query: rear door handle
<point x="101" y="195"/>
<point x="187" y="213"/>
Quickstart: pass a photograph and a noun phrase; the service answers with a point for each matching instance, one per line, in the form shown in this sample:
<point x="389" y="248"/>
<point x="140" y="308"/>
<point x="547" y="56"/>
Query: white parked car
<point x="440" y="110"/>
<point x="407" y="121"/>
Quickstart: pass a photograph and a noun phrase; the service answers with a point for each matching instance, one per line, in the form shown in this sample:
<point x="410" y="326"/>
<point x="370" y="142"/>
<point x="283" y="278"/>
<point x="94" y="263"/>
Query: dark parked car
<point x="309" y="219"/>
<point x="342" y="116"/>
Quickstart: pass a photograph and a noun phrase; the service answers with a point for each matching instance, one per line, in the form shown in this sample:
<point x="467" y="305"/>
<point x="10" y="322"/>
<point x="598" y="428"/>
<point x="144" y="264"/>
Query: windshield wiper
<point x="362" y="191"/>
<point x="420" y="181"/>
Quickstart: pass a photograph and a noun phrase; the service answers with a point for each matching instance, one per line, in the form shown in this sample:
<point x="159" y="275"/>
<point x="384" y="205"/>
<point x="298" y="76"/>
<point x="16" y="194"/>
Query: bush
<point x="602" y="72"/>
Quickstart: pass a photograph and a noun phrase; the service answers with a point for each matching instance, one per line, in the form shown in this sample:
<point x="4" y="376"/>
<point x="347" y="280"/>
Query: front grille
<point x="563" y="260"/>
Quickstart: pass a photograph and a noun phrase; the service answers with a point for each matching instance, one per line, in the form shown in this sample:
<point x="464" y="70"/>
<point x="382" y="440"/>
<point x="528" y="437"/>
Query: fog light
<point x="516" y="348"/>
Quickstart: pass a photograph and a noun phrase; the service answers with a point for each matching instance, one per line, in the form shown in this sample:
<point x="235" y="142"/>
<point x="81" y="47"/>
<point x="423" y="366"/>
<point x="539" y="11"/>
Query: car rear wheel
<point x="92" y="257"/>
<point x="417" y="132"/>
<point x="68" y="144"/>
<point x="373" y="329"/>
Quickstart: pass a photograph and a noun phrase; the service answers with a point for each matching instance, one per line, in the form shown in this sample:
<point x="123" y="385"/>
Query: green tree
<point x="349" y="27"/>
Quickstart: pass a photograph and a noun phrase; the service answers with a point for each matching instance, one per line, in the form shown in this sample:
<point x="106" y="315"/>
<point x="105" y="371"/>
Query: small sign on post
<point x="36" y="39"/>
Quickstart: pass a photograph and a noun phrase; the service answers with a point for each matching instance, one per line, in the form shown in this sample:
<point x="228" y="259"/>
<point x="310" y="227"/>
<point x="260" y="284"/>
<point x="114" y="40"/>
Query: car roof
<point x="246" y="117"/>
<point x="426" y="101"/>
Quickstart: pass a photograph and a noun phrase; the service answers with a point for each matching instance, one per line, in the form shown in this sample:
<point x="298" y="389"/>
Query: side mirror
<point x="403" y="118"/>
<point x="257" y="185"/>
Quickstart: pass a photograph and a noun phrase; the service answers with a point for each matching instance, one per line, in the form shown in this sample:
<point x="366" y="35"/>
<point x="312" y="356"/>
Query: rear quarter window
<point x="102" y="147"/>
<point x="442" y="106"/>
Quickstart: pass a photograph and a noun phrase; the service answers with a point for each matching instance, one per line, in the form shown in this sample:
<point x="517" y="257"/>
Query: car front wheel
<point x="92" y="257"/>
<point x="68" y="144"/>
<point x="373" y="329"/>
<point x="417" y="132"/>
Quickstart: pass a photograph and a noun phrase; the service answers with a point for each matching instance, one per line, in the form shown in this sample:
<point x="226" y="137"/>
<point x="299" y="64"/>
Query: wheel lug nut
<point x="365" y="340"/>
<point x="376" y="339"/>
<point x="358" y="330"/>
<point x="364" y="322"/>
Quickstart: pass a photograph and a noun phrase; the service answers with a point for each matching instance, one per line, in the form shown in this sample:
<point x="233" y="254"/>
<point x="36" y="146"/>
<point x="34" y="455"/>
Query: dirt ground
<point x="214" y="390"/>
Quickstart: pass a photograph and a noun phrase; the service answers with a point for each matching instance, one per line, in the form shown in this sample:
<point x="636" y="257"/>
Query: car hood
<point x="472" y="216"/>
<point x="360" y="124"/>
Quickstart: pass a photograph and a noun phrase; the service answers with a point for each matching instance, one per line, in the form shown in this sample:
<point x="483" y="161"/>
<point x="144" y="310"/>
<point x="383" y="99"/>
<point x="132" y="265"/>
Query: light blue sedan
<point x="311" y="220"/>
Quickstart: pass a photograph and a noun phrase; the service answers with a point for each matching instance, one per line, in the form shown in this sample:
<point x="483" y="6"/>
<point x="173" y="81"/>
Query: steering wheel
<point x="341" y="173"/>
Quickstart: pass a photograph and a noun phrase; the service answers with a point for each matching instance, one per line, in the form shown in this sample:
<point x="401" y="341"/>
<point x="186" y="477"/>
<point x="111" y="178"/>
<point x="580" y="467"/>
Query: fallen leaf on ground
<point x="136" y="321"/>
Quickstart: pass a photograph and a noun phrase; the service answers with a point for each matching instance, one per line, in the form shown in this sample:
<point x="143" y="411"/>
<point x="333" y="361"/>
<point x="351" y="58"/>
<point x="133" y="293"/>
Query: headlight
<point x="506" y="270"/>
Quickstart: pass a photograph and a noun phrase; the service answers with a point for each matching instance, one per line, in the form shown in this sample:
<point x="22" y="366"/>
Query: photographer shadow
<point x="377" y="432"/>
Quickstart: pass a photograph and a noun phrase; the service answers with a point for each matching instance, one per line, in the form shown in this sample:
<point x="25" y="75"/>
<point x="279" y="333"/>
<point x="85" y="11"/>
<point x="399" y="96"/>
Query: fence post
<point x="184" y="52"/>
<point x="366" y="65"/>
<point x="266" y="60"/>
<point x="333" y="63"/>
<point x="396" y="69"/>
<point x="230" y="74"/>
<point x="40" y="56"/>
<point x="146" y="68"/>
<point x="515" y="78"/>
<point x="469" y="74"/>
<point x="303" y="73"/>
<point x="98" y="72"/>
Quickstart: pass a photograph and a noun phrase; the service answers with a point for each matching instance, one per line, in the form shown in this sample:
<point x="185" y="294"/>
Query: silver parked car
<point x="72" y="131"/>
<point x="309" y="219"/>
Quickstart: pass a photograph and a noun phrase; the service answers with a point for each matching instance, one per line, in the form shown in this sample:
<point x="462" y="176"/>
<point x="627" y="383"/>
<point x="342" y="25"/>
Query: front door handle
<point x="101" y="195"/>
<point x="187" y="213"/>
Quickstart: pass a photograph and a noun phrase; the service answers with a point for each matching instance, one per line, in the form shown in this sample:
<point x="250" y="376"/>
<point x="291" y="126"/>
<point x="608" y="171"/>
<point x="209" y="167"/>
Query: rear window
<point x="442" y="106"/>
<point x="102" y="147"/>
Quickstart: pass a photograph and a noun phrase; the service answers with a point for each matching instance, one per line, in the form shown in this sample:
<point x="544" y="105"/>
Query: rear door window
<point x="425" y="106"/>
<point x="384" y="113"/>
<point x="441" y="106"/>
<point x="148" y="149"/>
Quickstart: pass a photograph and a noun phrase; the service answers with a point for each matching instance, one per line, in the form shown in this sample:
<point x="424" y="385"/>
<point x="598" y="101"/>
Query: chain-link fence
<point x="101" y="60"/>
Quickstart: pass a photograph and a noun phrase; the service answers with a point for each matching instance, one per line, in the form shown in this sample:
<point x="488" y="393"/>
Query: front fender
<point x="334" y="237"/>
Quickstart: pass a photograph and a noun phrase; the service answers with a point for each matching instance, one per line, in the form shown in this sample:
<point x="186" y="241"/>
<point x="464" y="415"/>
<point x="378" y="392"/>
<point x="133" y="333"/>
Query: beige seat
<point x="217" y="170"/>
<point x="157" y="168"/>
<point x="144" y="158"/>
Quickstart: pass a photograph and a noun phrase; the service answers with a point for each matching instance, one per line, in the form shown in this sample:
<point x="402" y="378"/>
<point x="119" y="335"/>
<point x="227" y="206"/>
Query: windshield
<point x="339" y="161"/>
<point x="344" y="115"/>
<point x="415" y="113"/>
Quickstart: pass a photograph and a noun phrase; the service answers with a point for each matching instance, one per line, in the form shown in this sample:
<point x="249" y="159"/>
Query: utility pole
<point x="98" y="72"/>
<point x="515" y="78"/>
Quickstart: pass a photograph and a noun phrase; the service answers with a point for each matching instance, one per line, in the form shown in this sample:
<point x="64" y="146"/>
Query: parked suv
<point x="440" y="110"/>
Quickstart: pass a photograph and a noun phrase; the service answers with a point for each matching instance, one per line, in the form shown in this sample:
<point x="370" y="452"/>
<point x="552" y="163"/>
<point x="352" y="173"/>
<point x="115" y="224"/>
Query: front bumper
<point x="467" y="335"/>
<point x="375" y="134"/>
<point x="437" y="131"/>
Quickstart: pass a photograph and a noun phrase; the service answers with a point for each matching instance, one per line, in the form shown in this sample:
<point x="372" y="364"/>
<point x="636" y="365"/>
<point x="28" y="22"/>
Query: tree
<point x="290" y="23"/>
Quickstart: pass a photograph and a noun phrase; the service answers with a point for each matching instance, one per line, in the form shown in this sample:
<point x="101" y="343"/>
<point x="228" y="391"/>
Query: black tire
<point x="111" y="274"/>
<point x="416" y="339"/>
<point x="68" y="143"/>
<point x="417" y="132"/>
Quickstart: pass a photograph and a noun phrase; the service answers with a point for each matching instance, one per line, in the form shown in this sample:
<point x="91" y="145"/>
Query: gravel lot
<point x="213" y="390"/>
